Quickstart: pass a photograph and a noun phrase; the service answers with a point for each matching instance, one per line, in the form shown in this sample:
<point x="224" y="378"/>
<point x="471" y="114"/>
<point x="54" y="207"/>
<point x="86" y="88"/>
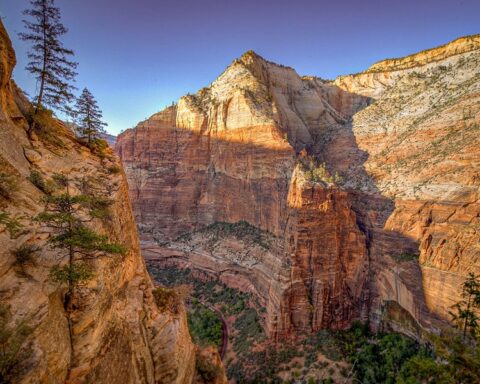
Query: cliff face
<point x="351" y="178"/>
<point x="118" y="333"/>
<point x="422" y="137"/>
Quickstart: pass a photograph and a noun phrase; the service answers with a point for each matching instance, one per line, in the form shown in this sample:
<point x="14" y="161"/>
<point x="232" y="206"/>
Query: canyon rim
<point x="271" y="227"/>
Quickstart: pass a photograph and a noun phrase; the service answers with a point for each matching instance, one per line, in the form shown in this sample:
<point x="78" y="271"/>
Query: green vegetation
<point x="99" y="147"/>
<point x="72" y="274"/>
<point x="89" y="116"/>
<point x="78" y="245"/>
<point x="249" y="331"/>
<point x="465" y="311"/>
<point x="241" y="230"/>
<point x="322" y="357"/>
<point x="205" y="325"/>
<point x="406" y="256"/>
<point x="114" y="169"/>
<point x="13" y="345"/>
<point x="25" y="254"/>
<point x="49" y="60"/>
<point x="12" y="225"/>
<point x="37" y="179"/>
<point x="318" y="173"/>
<point x="211" y="292"/>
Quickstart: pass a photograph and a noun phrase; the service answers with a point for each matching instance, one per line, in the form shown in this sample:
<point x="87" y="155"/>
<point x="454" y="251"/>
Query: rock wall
<point x="228" y="154"/>
<point x="399" y="147"/>
<point x="119" y="335"/>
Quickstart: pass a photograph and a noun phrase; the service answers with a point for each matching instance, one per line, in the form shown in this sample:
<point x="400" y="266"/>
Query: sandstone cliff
<point x="118" y="333"/>
<point x="227" y="154"/>
<point x="368" y="185"/>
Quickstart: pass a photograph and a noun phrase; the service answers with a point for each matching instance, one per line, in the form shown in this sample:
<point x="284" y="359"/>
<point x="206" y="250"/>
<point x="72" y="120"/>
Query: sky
<point x="138" y="56"/>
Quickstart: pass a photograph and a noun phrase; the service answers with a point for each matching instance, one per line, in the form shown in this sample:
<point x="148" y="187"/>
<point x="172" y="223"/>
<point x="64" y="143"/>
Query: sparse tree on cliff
<point x="50" y="61"/>
<point x="465" y="311"/>
<point x="66" y="215"/>
<point x="89" y="116"/>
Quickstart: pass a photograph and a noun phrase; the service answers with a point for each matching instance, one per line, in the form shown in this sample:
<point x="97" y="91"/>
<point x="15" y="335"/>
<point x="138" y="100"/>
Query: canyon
<point x="114" y="332"/>
<point x="328" y="200"/>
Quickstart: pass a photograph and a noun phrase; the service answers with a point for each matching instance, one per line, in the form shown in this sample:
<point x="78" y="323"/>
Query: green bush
<point x="25" y="254"/>
<point x="99" y="147"/>
<point x="12" y="225"/>
<point x="37" y="179"/>
<point x="60" y="179"/>
<point x="76" y="273"/>
<point x="114" y="169"/>
<point x="205" y="326"/>
<point x="406" y="256"/>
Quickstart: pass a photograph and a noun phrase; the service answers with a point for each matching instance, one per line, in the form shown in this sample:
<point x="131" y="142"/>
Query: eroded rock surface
<point x="399" y="148"/>
<point x="119" y="334"/>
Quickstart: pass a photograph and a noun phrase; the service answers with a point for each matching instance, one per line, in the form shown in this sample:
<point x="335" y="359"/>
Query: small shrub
<point x="60" y="179"/>
<point x="167" y="299"/>
<point x="98" y="207"/>
<point x="25" y="254"/>
<point x="114" y="169"/>
<point x="406" y="256"/>
<point x="318" y="173"/>
<point x="37" y="179"/>
<point x="99" y="147"/>
<point x="13" y="226"/>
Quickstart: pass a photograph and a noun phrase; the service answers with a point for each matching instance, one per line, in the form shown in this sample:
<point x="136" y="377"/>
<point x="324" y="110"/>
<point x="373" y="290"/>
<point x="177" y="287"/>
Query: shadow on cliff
<point x="342" y="155"/>
<point x="183" y="180"/>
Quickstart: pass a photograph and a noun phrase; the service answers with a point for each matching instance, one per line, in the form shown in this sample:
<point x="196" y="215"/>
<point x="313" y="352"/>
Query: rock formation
<point x="351" y="178"/>
<point x="119" y="334"/>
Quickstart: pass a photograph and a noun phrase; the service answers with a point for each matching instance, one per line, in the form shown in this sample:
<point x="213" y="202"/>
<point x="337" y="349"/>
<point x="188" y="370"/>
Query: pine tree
<point x="66" y="215"/>
<point x="465" y="314"/>
<point x="89" y="116"/>
<point x="49" y="60"/>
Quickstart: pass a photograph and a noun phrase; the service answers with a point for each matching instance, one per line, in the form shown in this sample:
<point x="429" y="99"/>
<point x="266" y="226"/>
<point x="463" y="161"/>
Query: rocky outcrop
<point x="388" y="206"/>
<point x="118" y="334"/>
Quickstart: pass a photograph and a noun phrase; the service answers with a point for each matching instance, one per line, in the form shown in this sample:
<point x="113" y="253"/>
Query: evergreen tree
<point x="89" y="116"/>
<point x="465" y="314"/>
<point x="67" y="215"/>
<point x="49" y="60"/>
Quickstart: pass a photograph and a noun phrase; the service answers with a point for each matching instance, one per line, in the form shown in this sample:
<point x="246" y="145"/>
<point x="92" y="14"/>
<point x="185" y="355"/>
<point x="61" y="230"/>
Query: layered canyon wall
<point x="118" y="335"/>
<point x="351" y="179"/>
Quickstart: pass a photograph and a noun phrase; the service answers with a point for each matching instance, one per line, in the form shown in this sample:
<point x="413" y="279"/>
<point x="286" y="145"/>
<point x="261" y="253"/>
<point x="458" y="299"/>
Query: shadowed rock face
<point x="119" y="334"/>
<point x="403" y="139"/>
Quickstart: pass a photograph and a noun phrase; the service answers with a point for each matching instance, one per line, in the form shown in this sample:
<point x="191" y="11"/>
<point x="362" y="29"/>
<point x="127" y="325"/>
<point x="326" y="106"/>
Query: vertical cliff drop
<point x="119" y="334"/>
<point x="388" y="206"/>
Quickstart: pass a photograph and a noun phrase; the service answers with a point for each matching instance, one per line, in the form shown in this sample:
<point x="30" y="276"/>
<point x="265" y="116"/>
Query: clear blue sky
<point x="138" y="56"/>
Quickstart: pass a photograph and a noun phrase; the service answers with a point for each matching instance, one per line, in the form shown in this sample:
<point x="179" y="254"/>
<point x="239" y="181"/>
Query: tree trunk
<point x="38" y="104"/>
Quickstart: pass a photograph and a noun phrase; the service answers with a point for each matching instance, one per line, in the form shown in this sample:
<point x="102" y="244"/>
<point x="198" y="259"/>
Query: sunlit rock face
<point x="119" y="334"/>
<point x="421" y="138"/>
<point x="402" y="138"/>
